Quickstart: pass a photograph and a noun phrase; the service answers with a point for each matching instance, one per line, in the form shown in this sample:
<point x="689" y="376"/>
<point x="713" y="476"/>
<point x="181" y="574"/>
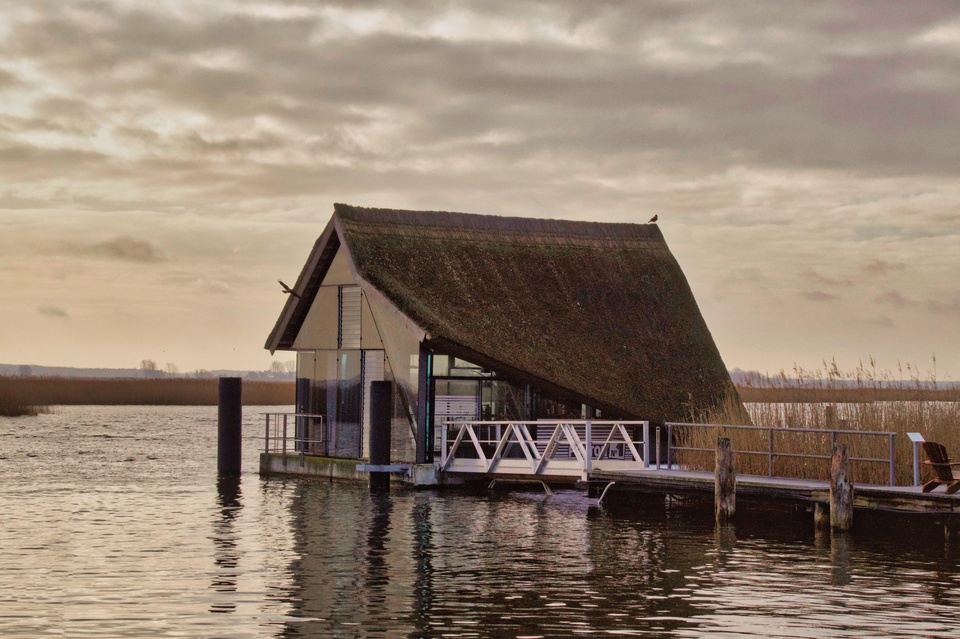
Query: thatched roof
<point x="599" y="311"/>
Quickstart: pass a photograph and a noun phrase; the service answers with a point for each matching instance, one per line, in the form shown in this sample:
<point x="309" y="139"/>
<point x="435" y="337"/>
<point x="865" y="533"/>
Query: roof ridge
<point x="480" y="228"/>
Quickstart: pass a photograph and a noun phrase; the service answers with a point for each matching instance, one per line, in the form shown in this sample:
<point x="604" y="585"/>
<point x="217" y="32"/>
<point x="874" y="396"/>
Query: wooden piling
<point x="841" y="490"/>
<point x="229" y="431"/>
<point x="821" y="516"/>
<point x="725" y="485"/>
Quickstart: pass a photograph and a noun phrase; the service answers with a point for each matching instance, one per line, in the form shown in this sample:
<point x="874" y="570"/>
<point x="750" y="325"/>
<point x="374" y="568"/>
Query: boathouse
<point x="479" y="317"/>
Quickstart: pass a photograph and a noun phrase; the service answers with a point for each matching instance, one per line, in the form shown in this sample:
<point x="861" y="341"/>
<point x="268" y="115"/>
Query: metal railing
<point x="294" y="433"/>
<point x="559" y="448"/>
<point x="772" y="453"/>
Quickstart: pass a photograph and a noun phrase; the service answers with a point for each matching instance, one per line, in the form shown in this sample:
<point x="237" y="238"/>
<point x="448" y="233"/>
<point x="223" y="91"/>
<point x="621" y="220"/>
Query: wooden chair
<point x="940" y="462"/>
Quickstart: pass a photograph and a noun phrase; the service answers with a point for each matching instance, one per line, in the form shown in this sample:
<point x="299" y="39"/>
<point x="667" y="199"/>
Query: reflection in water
<point x="123" y="556"/>
<point x="378" y="536"/>
<point x="226" y="554"/>
<point x="725" y="537"/>
<point x="423" y="550"/>
<point x="421" y="564"/>
<point x="840" y="558"/>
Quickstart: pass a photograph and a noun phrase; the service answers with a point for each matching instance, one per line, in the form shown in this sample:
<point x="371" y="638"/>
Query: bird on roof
<point x="288" y="290"/>
<point x="652" y="220"/>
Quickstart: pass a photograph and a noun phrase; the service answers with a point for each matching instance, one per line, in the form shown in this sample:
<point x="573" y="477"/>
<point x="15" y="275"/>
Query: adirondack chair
<point x="944" y="469"/>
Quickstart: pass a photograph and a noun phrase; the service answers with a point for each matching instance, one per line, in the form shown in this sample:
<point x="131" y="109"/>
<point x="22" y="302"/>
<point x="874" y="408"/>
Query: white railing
<point x="569" y="448"/>
<point x="294" y="434"/>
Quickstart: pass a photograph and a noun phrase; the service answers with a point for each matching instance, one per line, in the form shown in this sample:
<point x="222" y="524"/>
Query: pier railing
<point x="294" y="434"/>
<point x="569" y="448"/>
<point x="814" y="444"/>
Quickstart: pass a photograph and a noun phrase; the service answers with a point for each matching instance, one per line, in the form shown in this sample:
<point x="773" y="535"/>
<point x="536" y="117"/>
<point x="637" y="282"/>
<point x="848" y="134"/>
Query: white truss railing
<point x="568" y="448"/>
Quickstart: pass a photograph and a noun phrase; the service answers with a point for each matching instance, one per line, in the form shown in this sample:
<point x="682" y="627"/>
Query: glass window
<point x="349" y="399"/>
<point x="463" y="368"/>
<point x="456" y="400"/>
<point x="502" y="400"/>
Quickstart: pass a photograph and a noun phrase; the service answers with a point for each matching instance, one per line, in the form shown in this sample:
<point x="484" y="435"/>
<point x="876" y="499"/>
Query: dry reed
<point x="51" y="391"/>
<point x="850" y="402"/>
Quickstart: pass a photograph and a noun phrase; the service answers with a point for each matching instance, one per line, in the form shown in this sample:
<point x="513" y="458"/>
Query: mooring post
<point x="821" y="516"/>
<point x="841" y="490"/>
<point x="725" y="486"/>
<point x="951" y="532"/>
<point x="229" y="426"/>
<point x="381" y="404"/>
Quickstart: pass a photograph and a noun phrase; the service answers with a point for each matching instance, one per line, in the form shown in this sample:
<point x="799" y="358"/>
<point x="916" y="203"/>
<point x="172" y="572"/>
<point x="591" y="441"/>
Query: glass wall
<point x="333" y="384"/>
<point x="402" y="367"/>
<point x="345" y="433"/>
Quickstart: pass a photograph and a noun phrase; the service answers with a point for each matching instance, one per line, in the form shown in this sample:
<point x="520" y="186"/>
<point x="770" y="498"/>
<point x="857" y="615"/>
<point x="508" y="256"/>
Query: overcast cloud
<point x="802" y="158"/>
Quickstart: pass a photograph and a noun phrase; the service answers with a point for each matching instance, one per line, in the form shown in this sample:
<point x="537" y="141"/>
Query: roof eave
<point x="297" y="305"/>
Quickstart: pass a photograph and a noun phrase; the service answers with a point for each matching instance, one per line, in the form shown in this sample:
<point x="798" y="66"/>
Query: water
<point x="114" y="525"/>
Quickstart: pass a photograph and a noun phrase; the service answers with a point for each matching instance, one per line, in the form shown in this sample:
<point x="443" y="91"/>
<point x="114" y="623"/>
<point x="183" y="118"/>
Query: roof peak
<point x="478" y="227"/>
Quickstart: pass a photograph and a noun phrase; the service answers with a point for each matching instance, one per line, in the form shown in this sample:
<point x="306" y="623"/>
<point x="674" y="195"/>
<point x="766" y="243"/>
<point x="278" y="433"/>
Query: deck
<point x="901" y="499"/>
<point x="615" y="457"/>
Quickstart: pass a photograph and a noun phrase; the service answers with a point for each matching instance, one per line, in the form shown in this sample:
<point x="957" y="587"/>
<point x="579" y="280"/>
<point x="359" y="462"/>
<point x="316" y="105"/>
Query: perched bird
<point x="288" y="290"/>
<point x="652" y="220"/>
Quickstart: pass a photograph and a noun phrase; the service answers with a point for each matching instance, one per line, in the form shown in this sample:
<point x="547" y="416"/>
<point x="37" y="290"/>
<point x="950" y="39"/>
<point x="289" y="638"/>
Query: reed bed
<point x="13" y="406"/>
<point x="851" y="402"/>
<point x="39" y="392"/>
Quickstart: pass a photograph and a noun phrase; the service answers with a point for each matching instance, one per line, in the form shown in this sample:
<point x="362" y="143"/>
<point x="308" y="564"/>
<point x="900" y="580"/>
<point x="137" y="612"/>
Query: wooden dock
<point x="686" y="483"/>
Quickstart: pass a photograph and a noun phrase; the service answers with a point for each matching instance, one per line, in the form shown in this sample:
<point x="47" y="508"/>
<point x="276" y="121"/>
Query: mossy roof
<point x="596" y="310"/>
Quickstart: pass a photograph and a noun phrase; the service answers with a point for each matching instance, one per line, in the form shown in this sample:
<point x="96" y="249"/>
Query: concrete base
<point x="340" y="469"/>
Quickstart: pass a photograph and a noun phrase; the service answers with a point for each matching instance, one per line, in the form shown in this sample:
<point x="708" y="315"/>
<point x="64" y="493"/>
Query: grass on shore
<point x="856" y="401"/>
<point x="12" y="407"/>
<point x="30" y="395"/>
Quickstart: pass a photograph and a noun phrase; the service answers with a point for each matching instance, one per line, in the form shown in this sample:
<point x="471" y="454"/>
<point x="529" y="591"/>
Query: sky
<point x="163" y="163"/>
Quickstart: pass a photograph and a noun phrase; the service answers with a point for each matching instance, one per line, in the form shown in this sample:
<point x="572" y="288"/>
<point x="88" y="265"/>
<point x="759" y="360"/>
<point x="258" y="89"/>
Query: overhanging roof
<point x="600" y="310"/>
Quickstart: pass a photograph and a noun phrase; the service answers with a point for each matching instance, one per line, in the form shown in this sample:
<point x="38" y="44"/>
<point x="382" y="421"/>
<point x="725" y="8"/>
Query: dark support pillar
<point x="424" y="427"/>
<point x="381" y="413"/>
<point x="725" y="484"/>
<point x="229" y="431"/>
<point x="841" y="490"/>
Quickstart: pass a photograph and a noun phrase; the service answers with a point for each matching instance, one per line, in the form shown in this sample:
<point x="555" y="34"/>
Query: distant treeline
<point x="52" y="391"/>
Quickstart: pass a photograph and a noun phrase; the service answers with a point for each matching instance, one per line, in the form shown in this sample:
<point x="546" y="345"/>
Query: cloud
<point x="801" y="145"/>
<point x="406" y="81"/>
<point x="816" y="279"/>
<point x="127" y="249"/>
<point x="8" y="79"/>
<point x="951" y="307"/>
<point x="881" y="321"/>
<point x="819" y="296"/>
<point x="53" y="311"/>
<point x="893" y="298"/>
<point x="878" y="267"/>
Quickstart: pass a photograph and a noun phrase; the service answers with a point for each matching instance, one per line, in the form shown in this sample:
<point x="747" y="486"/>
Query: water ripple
<point x="116" y="526"/>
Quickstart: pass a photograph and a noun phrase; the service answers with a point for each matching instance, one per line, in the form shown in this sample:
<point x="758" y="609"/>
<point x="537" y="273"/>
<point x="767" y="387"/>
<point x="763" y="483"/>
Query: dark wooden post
<point x="725" y="486"/>
<point x="830" y="416"/>
<point x="951" y="533"/>
<point x="229" y="426"/>
<point x="841" y="490"/>
<point x="821" y="515"/>
<point x="381" y="408"/>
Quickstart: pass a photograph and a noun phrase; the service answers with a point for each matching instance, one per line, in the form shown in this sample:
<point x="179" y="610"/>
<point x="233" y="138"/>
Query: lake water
<point x="114" y="525"/>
